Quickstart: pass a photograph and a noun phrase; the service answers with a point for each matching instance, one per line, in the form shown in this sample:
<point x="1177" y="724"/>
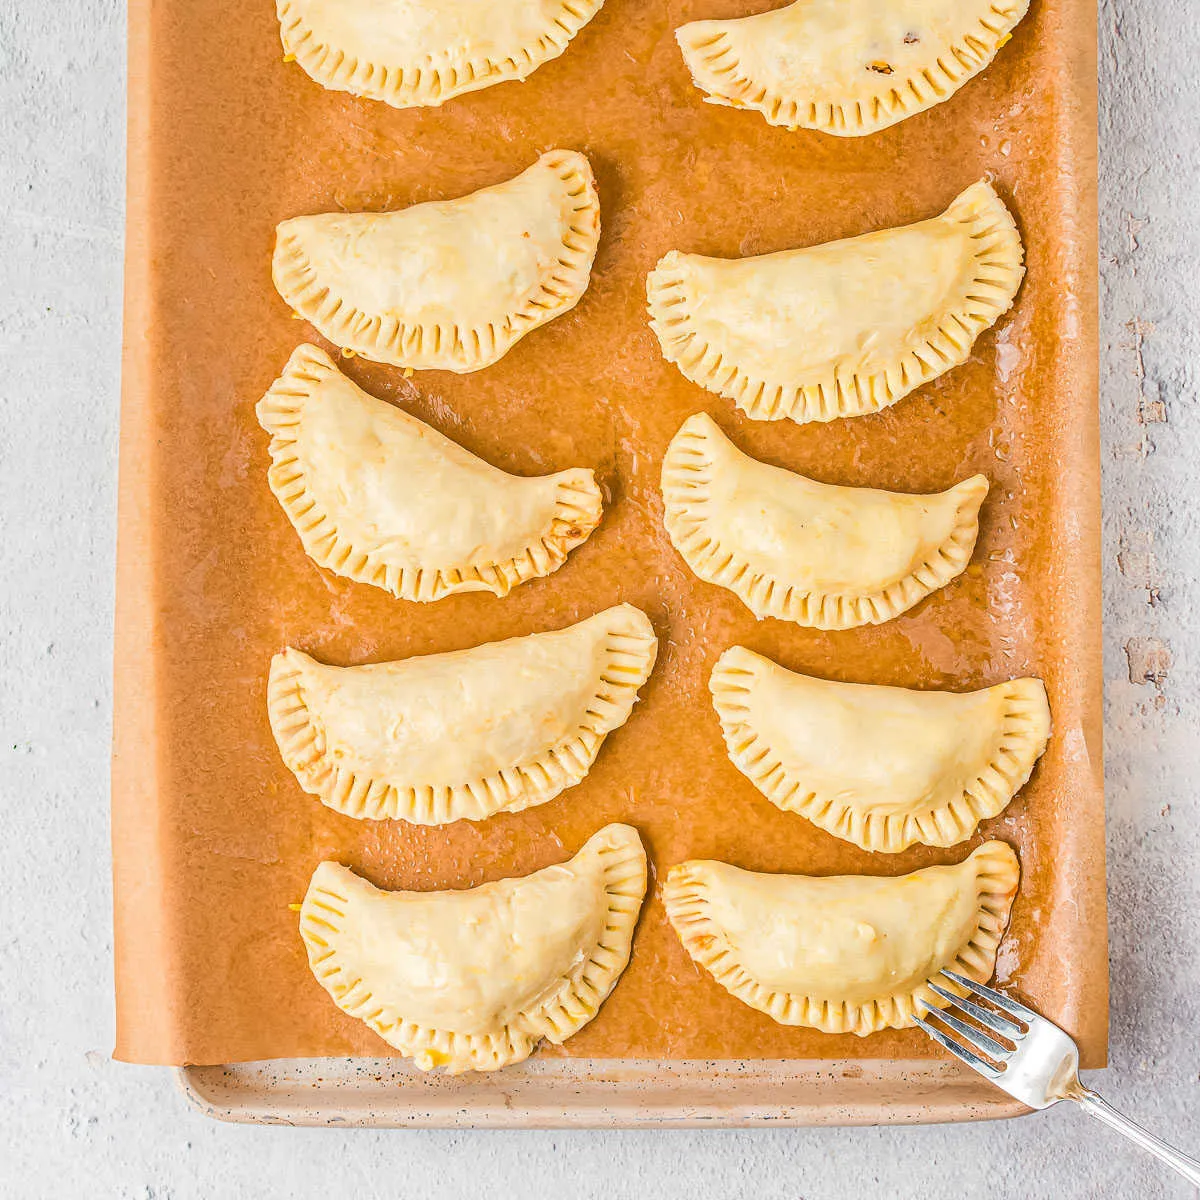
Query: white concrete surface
<point x="73" y="1124"/>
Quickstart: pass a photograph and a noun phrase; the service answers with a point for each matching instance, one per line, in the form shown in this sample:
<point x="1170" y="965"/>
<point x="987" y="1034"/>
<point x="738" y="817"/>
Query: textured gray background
<point x="74" y="1124"/>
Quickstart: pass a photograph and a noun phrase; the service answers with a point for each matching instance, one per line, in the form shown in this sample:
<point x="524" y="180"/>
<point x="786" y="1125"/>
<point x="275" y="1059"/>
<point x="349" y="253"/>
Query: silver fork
<point x="1031" y="1059"/>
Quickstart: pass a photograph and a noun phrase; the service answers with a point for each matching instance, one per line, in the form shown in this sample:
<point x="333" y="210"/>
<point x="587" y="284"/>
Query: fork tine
<point x="1007" y="1003"/>
<point x="972" y="1060"/>
<point x="993" y="1020"/>
<point x="975" y="1038"/>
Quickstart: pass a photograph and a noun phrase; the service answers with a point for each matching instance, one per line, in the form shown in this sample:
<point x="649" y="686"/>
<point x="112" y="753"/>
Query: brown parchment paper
<point x="212" y="837"/>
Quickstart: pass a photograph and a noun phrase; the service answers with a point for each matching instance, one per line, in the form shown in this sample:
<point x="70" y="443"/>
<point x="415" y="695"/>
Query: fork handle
<point x="1096" y="1106"/>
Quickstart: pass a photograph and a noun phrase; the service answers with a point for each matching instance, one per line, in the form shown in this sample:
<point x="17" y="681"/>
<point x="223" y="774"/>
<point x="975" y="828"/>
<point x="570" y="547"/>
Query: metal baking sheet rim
<point x="386" y="1093"/>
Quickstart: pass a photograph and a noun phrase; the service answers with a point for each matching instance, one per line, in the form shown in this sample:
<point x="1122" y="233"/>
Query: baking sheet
<point x="213" y="837"/>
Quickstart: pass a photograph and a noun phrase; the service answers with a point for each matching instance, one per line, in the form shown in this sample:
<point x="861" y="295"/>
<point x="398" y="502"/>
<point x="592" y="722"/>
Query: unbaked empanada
<point x="844" y="328"/>
<point x="471" y="980"/>
<point x="450" y="285"/>
<point x="882" y="767"/>
<point x="496" y="728"/>
<point x="819" y="554"/>
<point x="848" y="953"/>
<point x="383" y="498"/>
<point x="847" y="67"/>
<point x="412" y="53"/>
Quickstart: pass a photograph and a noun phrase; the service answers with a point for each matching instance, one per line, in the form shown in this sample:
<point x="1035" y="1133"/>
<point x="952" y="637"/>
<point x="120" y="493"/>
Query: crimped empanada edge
<point x="577" y="512"/>
<point x="997" y="874"/>
<point x="711" y="55"/>
<point x="998" y="256"/>
<point x="556" y="1017"/>
<point x="451" y="347"/>
<point x="433" y="81"/>
<point x="630" y="651"/>
<point x="1019" y="742"/>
